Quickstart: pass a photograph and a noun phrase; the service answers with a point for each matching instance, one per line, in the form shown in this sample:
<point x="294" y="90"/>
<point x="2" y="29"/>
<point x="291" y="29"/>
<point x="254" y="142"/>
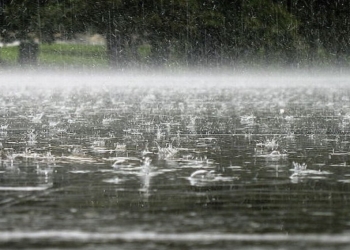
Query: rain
<point x="174" y="125"/>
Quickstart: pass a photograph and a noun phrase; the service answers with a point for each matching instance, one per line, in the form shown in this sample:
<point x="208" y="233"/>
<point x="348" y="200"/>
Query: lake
<point x="174" y="162"/>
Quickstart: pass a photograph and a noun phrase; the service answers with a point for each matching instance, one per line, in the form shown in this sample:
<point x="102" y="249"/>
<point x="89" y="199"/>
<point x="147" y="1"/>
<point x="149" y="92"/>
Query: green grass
<point x="70" y="55"/>
<point x="8" y="55"/>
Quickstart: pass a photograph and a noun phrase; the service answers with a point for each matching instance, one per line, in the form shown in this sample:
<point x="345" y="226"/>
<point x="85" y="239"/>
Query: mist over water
<point x="202" y="78"/>
<point x="174" y="160"/>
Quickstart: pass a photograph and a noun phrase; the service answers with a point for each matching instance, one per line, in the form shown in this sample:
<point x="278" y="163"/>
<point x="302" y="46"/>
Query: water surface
<point x="174" y="162"/>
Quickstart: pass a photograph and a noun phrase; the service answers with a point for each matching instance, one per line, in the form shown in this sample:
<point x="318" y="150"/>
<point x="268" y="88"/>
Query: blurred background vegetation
<point x="175" y="33"/>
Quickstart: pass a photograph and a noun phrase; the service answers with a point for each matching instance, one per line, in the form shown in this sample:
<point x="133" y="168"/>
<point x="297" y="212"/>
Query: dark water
<point x="168" y="167"/>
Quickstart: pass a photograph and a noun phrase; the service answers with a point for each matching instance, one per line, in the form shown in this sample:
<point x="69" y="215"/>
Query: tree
<point x="270" y="31"/>
<point x="191" y="32"/>
<point x="119" y="21"/>
<point x="29" y="22"/>
<point x="334" y="31"/>
<point x="19" y="25"/>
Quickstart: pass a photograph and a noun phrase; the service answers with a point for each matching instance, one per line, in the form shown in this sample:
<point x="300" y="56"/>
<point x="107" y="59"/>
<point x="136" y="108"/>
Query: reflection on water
<point x="174" y="167"/>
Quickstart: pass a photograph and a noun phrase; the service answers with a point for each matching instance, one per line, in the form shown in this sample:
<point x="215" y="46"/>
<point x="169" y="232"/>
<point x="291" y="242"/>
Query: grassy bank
<point x="67" y="56"/>
<point x="61" y="55"/>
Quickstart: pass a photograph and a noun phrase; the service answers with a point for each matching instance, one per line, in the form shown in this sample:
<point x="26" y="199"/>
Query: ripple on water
<point x="139" y="236"/>
<point x="114" y="180"/>
<point x="80" y="171"/>
<point x="25" y="188"/>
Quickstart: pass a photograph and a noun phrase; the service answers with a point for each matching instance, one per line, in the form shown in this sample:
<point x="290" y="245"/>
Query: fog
<point x="186" y="79"/>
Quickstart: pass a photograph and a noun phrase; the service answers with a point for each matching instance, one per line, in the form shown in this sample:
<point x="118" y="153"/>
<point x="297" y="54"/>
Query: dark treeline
<point x="190" y="32"/>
